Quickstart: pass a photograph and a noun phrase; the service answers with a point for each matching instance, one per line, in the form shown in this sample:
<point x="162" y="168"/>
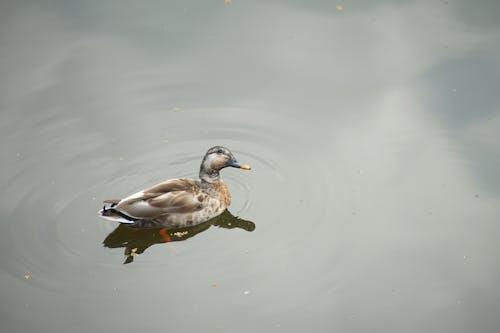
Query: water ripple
<point x="65" y="234"/>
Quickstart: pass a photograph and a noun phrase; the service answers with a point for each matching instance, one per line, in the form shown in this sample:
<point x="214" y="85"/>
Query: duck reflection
<point x="137" y="240"/>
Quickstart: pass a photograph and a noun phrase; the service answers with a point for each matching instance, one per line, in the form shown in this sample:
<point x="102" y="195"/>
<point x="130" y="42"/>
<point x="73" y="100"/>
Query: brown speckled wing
<point x="177" y="202"/>
<point x="172" y="196"/>
<point x="172" y="186"/>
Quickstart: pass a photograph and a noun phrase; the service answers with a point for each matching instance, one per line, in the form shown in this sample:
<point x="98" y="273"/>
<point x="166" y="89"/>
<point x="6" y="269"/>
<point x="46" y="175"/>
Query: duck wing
<point x="171" y="196"/>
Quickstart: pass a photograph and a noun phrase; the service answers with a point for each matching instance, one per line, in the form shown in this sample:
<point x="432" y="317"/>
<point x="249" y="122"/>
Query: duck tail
<point x="111" y="214"/>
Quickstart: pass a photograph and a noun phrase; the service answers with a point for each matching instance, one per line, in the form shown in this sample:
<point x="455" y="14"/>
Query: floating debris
<point x="339" y="7"/>
<point x="27" y="276"/>
<point x="214" y="285"/>
<point x="228" y="2"/>
<point x="246" y="292"/>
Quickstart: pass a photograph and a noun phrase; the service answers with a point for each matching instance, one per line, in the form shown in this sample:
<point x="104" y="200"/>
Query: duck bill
<point x="235" y="164"/>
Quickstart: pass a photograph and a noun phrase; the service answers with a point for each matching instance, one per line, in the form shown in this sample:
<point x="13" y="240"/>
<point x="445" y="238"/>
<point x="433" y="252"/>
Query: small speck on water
<point x="121" y="158"/>
<point x="476" y="195"/>
<point x="246" y="292"/>
<point x="339" y="7"/>
<point x="454" y="90"/>
<point x="27" y="276"/>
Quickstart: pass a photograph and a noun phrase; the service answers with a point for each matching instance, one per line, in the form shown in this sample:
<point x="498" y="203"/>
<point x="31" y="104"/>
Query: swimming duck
<point x="181" y="202"/>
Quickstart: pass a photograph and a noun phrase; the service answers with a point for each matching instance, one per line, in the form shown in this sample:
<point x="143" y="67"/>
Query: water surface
<point x="372" y="130"/>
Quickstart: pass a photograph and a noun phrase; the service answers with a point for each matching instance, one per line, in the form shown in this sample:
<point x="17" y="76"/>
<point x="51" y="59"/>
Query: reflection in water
<point x="137" y="240"/>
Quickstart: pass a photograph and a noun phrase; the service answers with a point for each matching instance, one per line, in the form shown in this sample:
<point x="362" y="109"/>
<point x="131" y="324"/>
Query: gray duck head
<point x="215" y="159"/>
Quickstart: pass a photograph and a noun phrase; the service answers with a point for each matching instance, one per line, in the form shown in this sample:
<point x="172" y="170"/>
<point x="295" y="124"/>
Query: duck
<point x="178" y="203"/>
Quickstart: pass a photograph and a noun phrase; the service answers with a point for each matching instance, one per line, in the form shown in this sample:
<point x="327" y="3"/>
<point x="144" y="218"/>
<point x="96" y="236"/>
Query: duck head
<point x="215" y="159"/>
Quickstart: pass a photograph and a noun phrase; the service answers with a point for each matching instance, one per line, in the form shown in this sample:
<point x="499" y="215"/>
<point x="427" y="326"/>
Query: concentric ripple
<point x="57" y="228"/>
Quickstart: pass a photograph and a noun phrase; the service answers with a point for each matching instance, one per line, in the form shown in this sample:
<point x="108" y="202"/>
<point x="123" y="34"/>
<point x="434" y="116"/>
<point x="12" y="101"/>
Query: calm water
<point x="373" y="131"/>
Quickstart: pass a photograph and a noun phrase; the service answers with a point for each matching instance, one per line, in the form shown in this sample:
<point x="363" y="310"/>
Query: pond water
<point x="372" y="129"/>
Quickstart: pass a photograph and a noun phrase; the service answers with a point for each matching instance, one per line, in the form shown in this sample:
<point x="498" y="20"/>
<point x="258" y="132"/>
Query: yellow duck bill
<point x="235" y="164"/>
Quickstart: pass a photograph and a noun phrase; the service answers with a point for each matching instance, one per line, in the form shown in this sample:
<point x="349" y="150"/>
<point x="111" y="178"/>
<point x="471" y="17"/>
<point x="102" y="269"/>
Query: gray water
<point x="373" y="131"/>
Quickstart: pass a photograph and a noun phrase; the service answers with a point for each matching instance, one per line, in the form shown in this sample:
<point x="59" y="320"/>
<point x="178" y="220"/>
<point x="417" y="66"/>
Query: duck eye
<point x="220" y="151"/>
